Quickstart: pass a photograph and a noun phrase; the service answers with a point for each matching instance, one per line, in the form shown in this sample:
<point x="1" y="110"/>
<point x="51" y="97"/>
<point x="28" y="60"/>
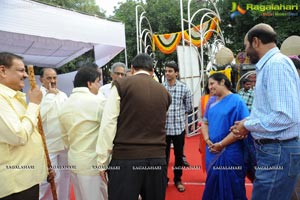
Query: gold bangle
<point x="206" y="139"/>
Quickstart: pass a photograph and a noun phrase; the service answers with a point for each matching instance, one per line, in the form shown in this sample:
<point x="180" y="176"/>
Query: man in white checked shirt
<point x="176" y="117"/>
<point x="274" y="121"/>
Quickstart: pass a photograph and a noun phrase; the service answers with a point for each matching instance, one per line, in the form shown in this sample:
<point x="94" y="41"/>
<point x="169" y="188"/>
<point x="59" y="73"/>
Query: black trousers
<point x="29" y="194"/>
<point x="178" y="142"/>
<point x="129" y="178"/>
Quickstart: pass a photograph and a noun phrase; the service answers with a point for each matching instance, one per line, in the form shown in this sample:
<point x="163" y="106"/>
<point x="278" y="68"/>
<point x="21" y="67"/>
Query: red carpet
<point x="193" y="177"/>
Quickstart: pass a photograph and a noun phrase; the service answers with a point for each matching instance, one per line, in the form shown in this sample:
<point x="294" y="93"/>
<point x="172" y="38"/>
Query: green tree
<point x="164" y="17"/>
<point x="126" y="13"/>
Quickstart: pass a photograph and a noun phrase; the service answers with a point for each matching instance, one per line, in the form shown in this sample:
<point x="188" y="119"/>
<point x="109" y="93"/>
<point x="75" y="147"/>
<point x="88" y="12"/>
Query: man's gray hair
<point x="117" y="64"/>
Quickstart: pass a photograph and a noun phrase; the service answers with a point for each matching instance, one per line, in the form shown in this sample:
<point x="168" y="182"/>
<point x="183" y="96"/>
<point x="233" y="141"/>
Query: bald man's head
<point x="264" y="32"/>
<point x="263" y="26"/>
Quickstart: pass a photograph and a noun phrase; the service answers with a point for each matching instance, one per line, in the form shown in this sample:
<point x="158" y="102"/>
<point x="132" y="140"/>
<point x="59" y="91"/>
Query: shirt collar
<point x="167" y="83"/>
<point x="266" y="57"/>
<point x="44" y="90"/>
<point x="142" y="72"/>
<point x="81" y="90"/>
<point x="10" y="92"/>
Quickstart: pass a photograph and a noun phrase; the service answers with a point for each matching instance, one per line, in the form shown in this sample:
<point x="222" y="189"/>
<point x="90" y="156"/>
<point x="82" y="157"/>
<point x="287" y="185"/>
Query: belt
<point x="272" y="141"/>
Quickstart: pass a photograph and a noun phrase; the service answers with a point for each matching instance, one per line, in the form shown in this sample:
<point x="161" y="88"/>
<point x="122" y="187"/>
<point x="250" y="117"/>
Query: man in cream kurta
<point x="52" y="102"/>
<point x="80" y="119"/>
<point x="22" y="158"/>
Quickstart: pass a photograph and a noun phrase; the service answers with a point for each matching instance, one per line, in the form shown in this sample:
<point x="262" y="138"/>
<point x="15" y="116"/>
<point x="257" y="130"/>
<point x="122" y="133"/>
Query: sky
<point x="108" y="5"/>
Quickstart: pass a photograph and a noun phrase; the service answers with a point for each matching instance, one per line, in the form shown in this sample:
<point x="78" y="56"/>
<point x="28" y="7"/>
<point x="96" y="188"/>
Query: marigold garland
<point x="167" y="43"/>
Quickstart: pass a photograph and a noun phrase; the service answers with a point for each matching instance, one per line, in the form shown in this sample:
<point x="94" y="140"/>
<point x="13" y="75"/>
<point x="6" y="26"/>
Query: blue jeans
<point x="296" y="194"/>
<point x="278" y="165"/>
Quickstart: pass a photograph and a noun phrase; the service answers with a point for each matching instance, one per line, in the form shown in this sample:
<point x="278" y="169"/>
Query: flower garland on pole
<point x="167" y="43"/>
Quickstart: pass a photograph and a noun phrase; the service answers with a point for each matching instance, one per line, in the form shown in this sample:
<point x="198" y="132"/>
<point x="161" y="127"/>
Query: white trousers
<point x="89" y="187"/>
<point x="62" y="178"/>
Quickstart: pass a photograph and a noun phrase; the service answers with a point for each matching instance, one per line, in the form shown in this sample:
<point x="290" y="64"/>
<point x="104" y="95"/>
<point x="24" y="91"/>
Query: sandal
<point x="180" y="187"/>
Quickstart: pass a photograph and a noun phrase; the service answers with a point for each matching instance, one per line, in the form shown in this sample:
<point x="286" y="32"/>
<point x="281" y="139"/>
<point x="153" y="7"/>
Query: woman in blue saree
<point x="225" y="163"/>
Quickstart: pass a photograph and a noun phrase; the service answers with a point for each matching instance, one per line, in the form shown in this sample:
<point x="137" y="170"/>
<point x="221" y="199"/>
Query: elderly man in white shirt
<point x="80" y="120"/>
<point x="51" y="104"/>
<point x="117" y="71"/>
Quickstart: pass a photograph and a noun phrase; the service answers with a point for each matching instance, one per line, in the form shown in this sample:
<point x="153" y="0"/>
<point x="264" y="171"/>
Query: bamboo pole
<point x="41" y="131"/>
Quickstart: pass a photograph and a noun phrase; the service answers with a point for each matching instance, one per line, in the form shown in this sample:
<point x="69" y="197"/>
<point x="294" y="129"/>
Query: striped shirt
<point x="276" y="108"/>
<point x="181" y="104"/>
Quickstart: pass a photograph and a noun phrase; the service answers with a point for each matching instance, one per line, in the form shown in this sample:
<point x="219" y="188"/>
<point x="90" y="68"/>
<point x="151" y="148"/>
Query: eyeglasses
<point x="119" y="73"/>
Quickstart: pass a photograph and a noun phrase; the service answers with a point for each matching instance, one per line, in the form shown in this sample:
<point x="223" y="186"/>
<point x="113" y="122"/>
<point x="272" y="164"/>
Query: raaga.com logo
<point x="277" y="10"/>
<point x="236" y="10"/>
